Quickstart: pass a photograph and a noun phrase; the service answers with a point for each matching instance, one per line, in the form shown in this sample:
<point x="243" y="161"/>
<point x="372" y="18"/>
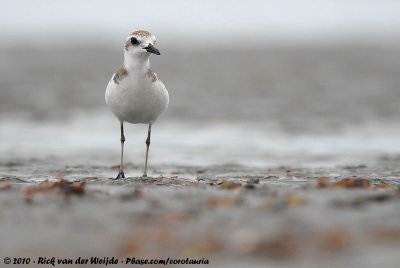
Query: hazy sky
<point x="202" y="19"/>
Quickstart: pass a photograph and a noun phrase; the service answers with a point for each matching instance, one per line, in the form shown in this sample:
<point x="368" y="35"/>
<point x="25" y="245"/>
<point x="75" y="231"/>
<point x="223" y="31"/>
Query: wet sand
<point x="232" y="215"/>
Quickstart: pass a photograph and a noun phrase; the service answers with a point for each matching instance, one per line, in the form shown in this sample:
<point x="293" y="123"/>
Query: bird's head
<point x="141" y="44"/>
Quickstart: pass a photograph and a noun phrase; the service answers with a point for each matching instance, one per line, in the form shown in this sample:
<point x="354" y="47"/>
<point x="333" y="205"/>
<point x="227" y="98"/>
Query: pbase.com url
<point x="105" y="261"/>
<point x="166" y="261"/>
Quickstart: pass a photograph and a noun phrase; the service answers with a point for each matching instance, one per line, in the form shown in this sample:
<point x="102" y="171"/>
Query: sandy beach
<point x="290" y="158"/>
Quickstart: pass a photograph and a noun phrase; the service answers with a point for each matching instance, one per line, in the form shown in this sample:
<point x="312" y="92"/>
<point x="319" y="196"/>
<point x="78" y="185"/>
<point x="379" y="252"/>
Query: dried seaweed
<point x="62" y="186"/>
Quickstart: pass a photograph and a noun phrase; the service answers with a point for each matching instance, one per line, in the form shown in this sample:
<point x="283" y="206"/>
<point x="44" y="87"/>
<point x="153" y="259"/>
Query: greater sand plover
<point x="134" y="93"/>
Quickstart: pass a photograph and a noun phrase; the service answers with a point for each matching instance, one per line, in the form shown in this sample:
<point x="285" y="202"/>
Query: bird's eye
<point x="134" y="41"/>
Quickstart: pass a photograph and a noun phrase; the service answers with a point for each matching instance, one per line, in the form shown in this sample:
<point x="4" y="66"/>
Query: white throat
<point x="136" y="62"/>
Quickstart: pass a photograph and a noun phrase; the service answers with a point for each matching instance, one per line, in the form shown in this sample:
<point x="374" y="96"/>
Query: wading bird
<point x="135" y="94"/>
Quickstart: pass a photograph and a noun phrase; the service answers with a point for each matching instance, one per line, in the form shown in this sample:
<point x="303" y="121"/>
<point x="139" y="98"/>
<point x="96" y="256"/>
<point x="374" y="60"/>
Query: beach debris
<point x="222" y="202"/>
<point x="228" y="185"/>
<point x="296" y="200"/>
<point x="282" y="246"/>
<point x="382" y="185"/>
<point x="288" y="245"/>
<point x="364" y="199"/>
<point x="250" y="183"/>
<point x="62" y="186"/>
<point x="386" y="234"/>
<point x="324" y="182"/>
<point x="159" y="181"/>
<point x="352" y="183"/>
<point x="276" y="202"/>
<point x="269" y="177"/>
<point x="333" y="240"/>
<point x="253" y="181"/>
<point x="5" y="186"/>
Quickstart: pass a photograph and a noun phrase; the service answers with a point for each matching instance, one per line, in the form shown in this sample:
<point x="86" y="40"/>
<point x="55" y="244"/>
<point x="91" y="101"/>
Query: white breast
<point x="137" y="99"/>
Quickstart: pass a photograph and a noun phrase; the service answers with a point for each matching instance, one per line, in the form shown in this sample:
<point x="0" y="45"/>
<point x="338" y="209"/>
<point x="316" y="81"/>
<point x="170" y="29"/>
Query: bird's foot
<point x="121" y="175"/>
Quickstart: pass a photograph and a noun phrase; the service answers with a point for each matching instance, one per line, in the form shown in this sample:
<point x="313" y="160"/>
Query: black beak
<point x="150" y="48"/>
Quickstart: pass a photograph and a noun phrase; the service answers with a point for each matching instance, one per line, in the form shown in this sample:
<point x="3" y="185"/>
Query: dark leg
<point x="147" y="150"/>
<point x="121" y="166"/>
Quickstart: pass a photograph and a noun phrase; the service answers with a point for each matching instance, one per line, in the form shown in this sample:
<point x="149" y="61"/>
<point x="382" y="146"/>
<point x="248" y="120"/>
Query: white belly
<point x="137" y="102"/>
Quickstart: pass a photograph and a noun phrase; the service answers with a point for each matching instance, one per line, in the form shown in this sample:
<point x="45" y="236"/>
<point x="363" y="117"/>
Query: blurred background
<point x="251" y="82"/>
